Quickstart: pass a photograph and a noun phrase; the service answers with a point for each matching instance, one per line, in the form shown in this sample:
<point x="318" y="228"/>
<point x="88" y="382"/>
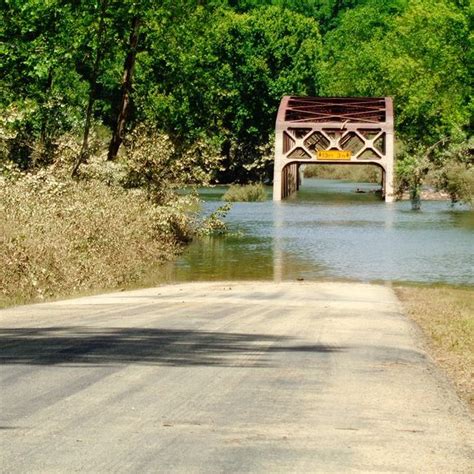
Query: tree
<point x="455" y="170"/>
<point x="214" y="71"/>
<point x="427" y="68"/>
<point x="52" y="74"/>
<point x="41" y="92"/>
<point x="124" y="108"/>
<point x="416" y="52"/>
<point x="223" y="74"/>
<point x="413" y="51"/>
<point x="326" y="12"/>
<point x="99" y="49"/>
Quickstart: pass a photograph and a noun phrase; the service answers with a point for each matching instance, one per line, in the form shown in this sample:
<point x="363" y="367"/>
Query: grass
<point x="246" y="193"/>
<point x="446" y="317"/>
<point x="62" y="237"/>
<point x="359" y="173"/>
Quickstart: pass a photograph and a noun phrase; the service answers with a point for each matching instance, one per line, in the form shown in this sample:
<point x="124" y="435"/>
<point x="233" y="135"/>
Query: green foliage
<point x="455" y="173"/>
<point x="47" y="53"/>
<point x="246" y="193"/>
<point x="209" y="76"/>
<point x="232" y="70"/>
<point x="413" y="51"/>
<point x="427" y="65"/>
<point x="458" y="180"/>
<point x="214" y="224"/>
<point x="448" y="165"/>
<point x="326" y="12"/>
<point x="411" y="170"/>
<point x="354" y="51"/>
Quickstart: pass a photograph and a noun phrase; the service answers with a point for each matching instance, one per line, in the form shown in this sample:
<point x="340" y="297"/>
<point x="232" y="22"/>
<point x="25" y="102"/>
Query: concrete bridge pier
<point x="388" y="169"/>
<point x="289" y="181"/>
<point x="387" y="186"/>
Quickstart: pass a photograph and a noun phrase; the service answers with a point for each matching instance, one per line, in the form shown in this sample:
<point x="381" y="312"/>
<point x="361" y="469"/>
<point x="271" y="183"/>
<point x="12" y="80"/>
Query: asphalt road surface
<point x="226" y="377"/>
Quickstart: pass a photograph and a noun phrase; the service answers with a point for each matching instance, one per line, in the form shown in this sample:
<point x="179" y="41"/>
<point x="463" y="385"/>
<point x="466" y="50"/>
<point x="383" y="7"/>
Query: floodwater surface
<point x="328" y="231"/>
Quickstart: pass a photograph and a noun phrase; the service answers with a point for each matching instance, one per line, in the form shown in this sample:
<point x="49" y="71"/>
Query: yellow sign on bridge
<point x="334" y="155"/>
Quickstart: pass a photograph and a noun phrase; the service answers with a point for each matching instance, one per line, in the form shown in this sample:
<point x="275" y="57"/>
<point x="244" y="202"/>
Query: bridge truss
<point x="332" y="130"/>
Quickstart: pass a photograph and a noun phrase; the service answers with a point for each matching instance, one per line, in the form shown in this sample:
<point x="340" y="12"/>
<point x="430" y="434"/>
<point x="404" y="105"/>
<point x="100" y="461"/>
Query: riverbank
<point x="445" y="315"/>
<point x="63" y="237"/>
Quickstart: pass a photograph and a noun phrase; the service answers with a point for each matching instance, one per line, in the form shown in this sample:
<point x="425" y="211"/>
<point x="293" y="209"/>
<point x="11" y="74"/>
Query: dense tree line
<point x="214" y="71"/>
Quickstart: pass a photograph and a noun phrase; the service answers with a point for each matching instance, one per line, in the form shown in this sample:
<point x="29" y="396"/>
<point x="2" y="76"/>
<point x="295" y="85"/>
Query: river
<point x="327" y="231"/>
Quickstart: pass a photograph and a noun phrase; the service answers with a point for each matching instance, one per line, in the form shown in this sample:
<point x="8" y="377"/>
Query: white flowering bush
<point x="61" y="236"/>
<point x="106" y="229"/>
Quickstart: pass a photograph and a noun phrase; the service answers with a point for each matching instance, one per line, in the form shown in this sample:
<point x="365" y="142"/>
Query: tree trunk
<point x="44" y="144"/>
<point x="124" y="108"/>
<point x="84" y="154"/>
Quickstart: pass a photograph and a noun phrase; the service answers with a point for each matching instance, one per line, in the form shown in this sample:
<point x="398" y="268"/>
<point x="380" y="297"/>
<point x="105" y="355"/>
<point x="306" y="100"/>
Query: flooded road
<point x="328" y="231"/>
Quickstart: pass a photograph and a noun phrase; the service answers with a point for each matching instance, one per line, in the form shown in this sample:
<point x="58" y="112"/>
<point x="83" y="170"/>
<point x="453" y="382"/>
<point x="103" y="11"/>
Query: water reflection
<point x="236" y="258"/>
<point x="278" y="270"/>
<point x="329" y="231"/>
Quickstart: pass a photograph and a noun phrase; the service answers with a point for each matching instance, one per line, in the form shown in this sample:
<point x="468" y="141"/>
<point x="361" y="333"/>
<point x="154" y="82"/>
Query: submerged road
<point x="225" y="377"/>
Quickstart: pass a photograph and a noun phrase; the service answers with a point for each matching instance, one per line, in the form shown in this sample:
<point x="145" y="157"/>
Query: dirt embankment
<point x="446" y="317"/>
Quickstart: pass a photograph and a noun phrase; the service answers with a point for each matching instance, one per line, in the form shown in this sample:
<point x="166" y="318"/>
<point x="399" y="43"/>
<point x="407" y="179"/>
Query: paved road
<point x="247" y="377"/>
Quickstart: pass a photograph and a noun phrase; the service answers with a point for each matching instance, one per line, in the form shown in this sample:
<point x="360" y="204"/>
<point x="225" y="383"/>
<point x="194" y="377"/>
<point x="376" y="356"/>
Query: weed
<point x="247" y="193"/>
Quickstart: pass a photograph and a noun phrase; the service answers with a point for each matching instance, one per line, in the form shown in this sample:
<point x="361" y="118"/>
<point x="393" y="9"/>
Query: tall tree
<point x="415" y="51"/>
<point x="84" y="153"/>
<point x="124" y="108"/>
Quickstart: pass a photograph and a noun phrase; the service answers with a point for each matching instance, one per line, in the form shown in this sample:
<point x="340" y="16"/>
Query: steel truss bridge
<point x="332" y="130"/>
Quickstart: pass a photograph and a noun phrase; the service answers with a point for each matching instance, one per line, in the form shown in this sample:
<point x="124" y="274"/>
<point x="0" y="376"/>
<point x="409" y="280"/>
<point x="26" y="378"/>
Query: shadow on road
<point x="100" y="346"/>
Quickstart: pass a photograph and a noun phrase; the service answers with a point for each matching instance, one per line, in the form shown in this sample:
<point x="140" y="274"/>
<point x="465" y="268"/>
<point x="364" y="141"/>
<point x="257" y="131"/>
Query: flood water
<point x="327" y="231"/>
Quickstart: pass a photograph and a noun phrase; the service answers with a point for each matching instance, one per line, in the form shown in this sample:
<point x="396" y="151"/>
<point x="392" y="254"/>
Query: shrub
<point x="247" y="193"/>
<point x="214" y="224"/>
<point x="455" y="173"/>
<point x="61" y="236"/>
<point x="155" y="163"/>
<point x="457" y="179"/>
